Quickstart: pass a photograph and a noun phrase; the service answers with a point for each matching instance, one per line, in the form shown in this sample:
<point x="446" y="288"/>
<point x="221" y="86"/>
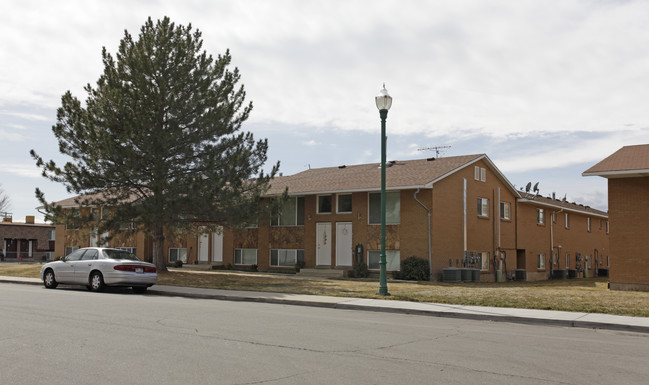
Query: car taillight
<point x="147" y="269"/>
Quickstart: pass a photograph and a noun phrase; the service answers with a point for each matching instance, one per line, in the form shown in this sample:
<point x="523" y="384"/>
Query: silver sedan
<point x="98" y="267"/>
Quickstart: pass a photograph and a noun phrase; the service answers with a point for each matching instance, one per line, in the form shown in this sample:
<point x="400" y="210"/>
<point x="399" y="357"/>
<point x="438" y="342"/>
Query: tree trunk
<point x="158" y="249"/>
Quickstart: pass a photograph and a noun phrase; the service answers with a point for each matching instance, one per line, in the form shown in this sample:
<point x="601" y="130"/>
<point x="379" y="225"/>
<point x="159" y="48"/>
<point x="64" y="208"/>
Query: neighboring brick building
<point x="28" y="240"/>
<point x="627" y="171"/>
<point x="474" y="211"/>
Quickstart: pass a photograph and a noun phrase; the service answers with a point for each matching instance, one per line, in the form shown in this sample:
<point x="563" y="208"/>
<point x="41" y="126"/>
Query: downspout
<point x="430" y="258"/>
<point x="464" y="217"/>
<point x="554" y="213"/>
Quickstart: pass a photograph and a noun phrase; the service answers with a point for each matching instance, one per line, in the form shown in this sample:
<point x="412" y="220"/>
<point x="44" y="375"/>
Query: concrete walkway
<point x="526" y="316"/>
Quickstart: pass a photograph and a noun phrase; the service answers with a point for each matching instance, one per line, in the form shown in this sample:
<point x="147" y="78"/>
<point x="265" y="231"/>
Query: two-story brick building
<point x="627" y="171"/>
<point x="437" y="209"/>
<point x="26" y="240"/>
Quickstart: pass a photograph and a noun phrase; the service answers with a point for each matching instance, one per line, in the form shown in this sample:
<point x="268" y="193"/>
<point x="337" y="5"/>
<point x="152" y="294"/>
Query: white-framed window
<point x="483" y="207"/>
<point x="177" y="254"/>
<point x="476" y="172"/>
<point x="541" y="262"/>
<point x="129" y="249"/>
<point x="324" y="204"/>
<point x="483" y="175"/>
<point x="505" y="210"/>
<point x="51" y="235"/>
<point x="540" y="217"/>
<point x="286" y="257"/>
<point x="392" y="260"/>
<point x="49" y="255"/>
<point x="344" y="203"/>
<point x="554" y="217"/>
<point x="484" y="260"/>
<point x="245" y="256"/>
<point x="588" y="224"/>
<point x="479" y="173"/>
<point x="567" y="261"/>
<point x="70" y="249"/>
<point x="291" y="213"/>
<point x="567" y="221"/>
<point x="392" y="208"/>
<point x="130" y="225"/>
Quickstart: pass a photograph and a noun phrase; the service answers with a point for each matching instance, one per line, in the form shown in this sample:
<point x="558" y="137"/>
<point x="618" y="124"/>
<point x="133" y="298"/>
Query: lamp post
<point x="383" y="103"/>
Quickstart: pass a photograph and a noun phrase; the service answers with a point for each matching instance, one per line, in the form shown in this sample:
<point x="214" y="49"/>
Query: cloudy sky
<point x="545" y="88"/>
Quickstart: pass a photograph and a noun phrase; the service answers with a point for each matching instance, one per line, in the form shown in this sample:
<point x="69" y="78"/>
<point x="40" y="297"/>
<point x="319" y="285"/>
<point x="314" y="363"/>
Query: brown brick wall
<point x="629" y="232"/>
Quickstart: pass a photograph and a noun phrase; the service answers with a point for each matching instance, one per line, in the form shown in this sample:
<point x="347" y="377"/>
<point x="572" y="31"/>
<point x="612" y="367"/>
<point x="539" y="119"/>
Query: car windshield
<point x="120" y="254"/>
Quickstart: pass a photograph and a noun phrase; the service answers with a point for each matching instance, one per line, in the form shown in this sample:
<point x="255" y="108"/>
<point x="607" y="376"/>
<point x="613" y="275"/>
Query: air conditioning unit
<point x="520" y="274"/>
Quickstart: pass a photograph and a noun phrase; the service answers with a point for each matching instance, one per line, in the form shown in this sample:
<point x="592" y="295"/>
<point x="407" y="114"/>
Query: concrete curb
<point x="479" y="313"/>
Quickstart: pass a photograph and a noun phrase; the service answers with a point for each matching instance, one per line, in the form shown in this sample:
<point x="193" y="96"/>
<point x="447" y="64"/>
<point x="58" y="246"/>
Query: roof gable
<point x="629" y="161"/>
<point x="419" y="173"/>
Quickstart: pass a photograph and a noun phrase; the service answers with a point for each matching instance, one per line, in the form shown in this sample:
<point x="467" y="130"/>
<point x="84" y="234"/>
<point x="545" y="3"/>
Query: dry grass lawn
<point x="580" y="295"/>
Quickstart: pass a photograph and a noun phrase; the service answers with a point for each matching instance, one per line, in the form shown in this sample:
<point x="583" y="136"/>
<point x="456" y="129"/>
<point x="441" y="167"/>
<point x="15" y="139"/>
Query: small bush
<point x="254" y="268"/>
<point x="359" y="271"/>
<point x="299" y="265"/>
<point x="178" y="263"/>
<point x="414" y="269"/>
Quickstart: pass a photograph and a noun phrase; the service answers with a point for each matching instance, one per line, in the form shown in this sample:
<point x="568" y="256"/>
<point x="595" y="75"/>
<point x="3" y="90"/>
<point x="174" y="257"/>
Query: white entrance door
<point x="217" y="246"/>
<point x="203" y="247"/>
<point x="343" y="244"/>
<point x="323" y="244"/>
<point x="94" y="238"/>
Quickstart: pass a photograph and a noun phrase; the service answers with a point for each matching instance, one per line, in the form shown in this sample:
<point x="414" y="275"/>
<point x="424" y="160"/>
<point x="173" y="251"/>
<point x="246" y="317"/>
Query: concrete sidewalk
<point x="525" y="316"/>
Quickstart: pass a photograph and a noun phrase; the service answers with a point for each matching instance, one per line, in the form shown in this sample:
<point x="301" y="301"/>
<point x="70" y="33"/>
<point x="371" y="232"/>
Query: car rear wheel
<point x="49" y="281"/>
<point x="139" y="289"/>
<point x="97" y="281"/>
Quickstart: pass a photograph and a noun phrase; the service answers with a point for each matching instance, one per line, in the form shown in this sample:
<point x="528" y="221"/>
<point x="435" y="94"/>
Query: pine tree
<point x="159" y="139"/>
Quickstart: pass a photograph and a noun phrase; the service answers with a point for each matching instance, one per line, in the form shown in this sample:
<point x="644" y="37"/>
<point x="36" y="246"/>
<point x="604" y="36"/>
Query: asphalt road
<point x="71" y="336"/>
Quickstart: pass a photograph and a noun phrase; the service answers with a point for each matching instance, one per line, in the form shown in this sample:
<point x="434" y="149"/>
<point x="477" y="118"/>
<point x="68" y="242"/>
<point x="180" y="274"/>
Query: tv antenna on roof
<point x="438" y="149"/>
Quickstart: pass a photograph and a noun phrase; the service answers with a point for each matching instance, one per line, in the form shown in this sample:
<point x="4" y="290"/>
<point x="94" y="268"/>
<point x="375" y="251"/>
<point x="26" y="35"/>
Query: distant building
<point x="627" y="171"/>
<point x="26" y="240"/>
<point x="477" y="218"/>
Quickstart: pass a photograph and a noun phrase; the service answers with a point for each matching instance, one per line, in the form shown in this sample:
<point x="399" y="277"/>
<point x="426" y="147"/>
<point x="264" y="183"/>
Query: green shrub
<point x="253" y="268"/>
<point x="414" y="269"/>
<point x="359" y="271"/>
<point x="299" y="265"/>
<point x="178" y="263"/>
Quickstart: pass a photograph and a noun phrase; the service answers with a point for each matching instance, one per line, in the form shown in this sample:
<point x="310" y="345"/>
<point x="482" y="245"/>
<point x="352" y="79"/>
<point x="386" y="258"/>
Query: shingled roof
<point x="629" y="161"/>
<point x="560" y="204"/>
<point x="367" y="177"/>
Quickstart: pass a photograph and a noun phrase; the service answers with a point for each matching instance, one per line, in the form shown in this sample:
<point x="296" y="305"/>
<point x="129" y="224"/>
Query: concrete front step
<point x="321" y="273"/>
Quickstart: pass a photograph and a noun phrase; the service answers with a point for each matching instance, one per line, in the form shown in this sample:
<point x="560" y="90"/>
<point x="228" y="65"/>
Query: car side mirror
<point x="63" y="259"/>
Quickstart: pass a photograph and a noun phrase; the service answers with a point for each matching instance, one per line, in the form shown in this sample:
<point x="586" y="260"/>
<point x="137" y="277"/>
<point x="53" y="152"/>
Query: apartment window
<point x="129" y="249"/>
<point x="588" y="224"/>
<point x="324" y="204"/>
<point x="72" y="222"/>
<point x="484" y="260"/>
<point x="177" y="254"/>
<point x="567" y="221"/>
<point x="554" y="217"/>
<point x="392" y="208"/>
<point x="505" y="210"/>
<point x="483" y="207"/>
<point x="480" y="173"/>
<point x="51" y="235"/>
<point x="105" y="214"/>
<point x="130" y="225"/>
<point x="291" y="213"/>
<point x="540" y="216"/>
<point x="392" y="259"/>
<point x="70" y="249"/>
<point x="285" y="257"/>
<point x="541" y="262"/>
<point x="600" y="224"/>
<point x="94" y="213"/>
<point x="245" y="256"/>
<point x="344" y="203"/>
<point x="567" y="261"/>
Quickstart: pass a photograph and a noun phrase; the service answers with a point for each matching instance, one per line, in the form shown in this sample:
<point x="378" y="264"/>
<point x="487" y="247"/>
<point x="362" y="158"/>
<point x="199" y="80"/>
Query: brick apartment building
<point x="467" y="203"/>
<point x="26" y="240"/>
<point x="627" y="171"/>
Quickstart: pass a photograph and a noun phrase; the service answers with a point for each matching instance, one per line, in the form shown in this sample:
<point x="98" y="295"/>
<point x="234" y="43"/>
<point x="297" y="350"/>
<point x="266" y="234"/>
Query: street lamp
<point x="383" y="103"/>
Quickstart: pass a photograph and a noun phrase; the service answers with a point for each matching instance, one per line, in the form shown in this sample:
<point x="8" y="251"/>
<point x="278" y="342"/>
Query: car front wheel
<point x="49" y="281"/>
<point x="97" y="282"/>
